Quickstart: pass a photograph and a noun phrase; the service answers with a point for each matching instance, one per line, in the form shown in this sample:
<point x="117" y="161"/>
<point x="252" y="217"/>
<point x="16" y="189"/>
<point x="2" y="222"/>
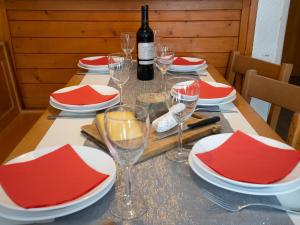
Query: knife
<point x="191" y="126"/>
<point x="191" y="73"/>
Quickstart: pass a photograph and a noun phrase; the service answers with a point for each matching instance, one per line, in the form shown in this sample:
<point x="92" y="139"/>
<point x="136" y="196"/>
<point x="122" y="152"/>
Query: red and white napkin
<point x="179" y="61"/>
<point x="208" y="91"/>
<point x="101" y="61"/>
<point x="84" y="95"/>
<point x="245" y="159"/>
<point x="52" y="179"/>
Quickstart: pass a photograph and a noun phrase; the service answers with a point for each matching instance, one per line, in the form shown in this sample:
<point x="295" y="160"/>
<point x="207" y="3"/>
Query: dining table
<point x="171" y="190"/>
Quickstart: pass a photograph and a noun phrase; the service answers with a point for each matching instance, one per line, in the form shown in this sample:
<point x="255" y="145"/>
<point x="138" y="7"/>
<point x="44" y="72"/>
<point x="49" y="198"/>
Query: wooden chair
<point x="238" y="66"/>
<point x="14" y="122"/>
<point x="278" y="93"/>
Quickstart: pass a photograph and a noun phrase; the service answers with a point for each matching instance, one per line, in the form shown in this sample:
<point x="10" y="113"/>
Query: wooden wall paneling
<point x="55" y="76"/>
<point x="69" y="61"/>
<point x="5" y="30"/>
<point x="244" y="26"/>
<point x="109" y="45"/>
<point x="39" y="90"/>
<point x="48" y="39"/>
<point x="247" y="26"/>
<point x="9" y="101"/>
<point x="123" y="5"/>
<point x="113" y="29"/>
<point x="112" y="15"/>
<point x="50" y="74"/>
<point x="251" y="27"/>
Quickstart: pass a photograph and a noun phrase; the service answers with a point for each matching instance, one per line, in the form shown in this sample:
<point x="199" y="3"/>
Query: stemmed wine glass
<point x="119" y="68"/>
<point x="127" y="43"/>
<point x="183" y="93"/>
<point x="164" y="58"/>
<point x="126" y="129"/>
<point x="157" y="39"/>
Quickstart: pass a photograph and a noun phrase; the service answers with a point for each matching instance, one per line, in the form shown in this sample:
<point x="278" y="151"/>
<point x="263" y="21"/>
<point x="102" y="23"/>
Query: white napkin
<point x="167" y="121"/>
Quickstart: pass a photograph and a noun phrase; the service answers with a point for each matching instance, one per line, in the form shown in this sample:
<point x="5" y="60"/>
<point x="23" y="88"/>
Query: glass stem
<point x="180" y="127"/>
<point x="121" y="94"/>
<point x="163" y="78"/>
<point x="127" y="182"/>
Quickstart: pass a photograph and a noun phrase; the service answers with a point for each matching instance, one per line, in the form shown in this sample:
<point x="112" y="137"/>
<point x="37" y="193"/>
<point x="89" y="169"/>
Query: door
<point x="291" y="47"/>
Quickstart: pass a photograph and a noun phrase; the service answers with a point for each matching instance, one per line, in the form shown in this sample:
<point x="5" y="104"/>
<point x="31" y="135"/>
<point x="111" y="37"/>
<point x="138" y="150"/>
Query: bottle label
<point x="146" y="53"/>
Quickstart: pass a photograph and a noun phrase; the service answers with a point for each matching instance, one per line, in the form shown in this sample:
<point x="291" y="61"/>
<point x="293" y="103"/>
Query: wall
<point x="270" y="29"/>
<point x="47" y="38"/>
<point x="269" y="38"/>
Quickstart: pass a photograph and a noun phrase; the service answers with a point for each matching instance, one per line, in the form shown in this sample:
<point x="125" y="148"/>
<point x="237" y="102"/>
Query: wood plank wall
<point x="48" y="37"/>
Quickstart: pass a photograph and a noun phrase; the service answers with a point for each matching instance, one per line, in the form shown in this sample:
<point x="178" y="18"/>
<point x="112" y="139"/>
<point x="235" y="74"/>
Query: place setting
<point x="215" y="97"/>
<point x="38" y="193"/>
<point x="84" y="98"/>
<point x="93" y="65"/>
<point x="188" y="66"/>
<point x="246" y="164"/>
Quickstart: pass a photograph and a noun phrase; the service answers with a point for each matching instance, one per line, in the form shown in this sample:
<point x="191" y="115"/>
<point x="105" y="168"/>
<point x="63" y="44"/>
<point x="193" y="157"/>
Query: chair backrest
<point x="9" y="101"/>
<point x="278" y="93"/>
<point x="239" y="65"/>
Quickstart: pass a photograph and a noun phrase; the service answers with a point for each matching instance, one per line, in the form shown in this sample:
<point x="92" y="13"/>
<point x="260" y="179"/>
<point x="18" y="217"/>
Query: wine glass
<point x="157" y="39"/>
<point x="127" y="43"/>
<point x="119" y="68"/>
<point x="182" y="94"/>
<point x="164" y="58"/>
<point x="126" y="129"/>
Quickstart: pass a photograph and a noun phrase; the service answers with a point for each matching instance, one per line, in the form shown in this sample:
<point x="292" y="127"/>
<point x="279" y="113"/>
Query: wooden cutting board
<point x="156" y="147"/>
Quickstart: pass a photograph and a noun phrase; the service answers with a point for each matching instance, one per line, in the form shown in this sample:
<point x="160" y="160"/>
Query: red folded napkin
<point x="84" y="95"/>
<point x="245" y="159"/>
<point x="209" y="91"/>
<point x="52" y="179"/>
<point x="179" y="61"/>
<point x="102" y="61"/>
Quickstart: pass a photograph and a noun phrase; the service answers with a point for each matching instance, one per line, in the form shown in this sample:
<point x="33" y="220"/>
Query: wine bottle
<point x="145" y="48"/>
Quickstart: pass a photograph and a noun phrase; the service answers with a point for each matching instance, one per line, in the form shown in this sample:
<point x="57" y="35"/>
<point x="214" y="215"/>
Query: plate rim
<point x="188" y="58"/>
<point x="74" y="87"/>
<point x="30" y="217"/>
<point x="45" y="150"/>
<point x="234" y="188"/>
<point x="92" y="58"/>
<point x="240" y="183"/>
<point x="220" y="100"/>
<point x="83" y="110"/>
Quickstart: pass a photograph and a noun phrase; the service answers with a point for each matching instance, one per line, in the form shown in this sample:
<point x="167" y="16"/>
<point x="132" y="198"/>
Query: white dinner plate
<point x="34" y="216"/>
<point x="96" y="159"/>
<point x="84" y="110"/>
<point x="240" y="189"/>
<point x="186" y="68"/>
<point x="93" y="67"/>
<point x="211" y="142"/>
<point x="105" y="90"/>
<point x="217" y="101"/>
